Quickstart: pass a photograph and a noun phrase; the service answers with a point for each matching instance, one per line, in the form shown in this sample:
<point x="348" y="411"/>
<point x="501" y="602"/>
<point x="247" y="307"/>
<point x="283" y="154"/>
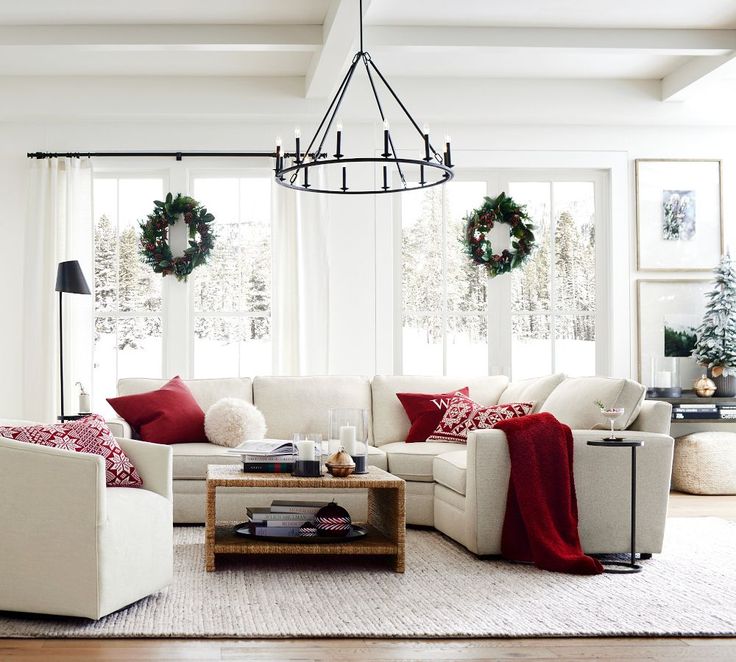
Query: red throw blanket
<point x="541" y="523"/>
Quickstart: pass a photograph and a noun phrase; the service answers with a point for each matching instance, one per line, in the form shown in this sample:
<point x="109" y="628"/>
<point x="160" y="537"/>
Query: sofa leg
<point x="645" y="556"/>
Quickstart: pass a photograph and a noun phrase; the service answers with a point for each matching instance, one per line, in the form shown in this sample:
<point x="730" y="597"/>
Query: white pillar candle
<point x="663" y="379"/>
<point x="305" y="450"/>
<point x="347" y="438"/>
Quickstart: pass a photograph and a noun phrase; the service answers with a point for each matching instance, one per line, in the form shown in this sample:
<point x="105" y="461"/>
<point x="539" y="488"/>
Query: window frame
<point x="177" y="309"/>
<point x="498" y="311"/>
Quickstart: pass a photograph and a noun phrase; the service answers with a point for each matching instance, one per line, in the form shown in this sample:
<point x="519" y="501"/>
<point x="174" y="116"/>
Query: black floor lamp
<point x="69" y="279"/>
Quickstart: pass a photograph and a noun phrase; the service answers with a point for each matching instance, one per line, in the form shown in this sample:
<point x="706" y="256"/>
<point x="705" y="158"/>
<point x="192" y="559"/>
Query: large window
<point x="218" y="323"/>
<point x="128" y="321"/>
<point x="553" y="297"/>
<point x="444" y="329"/>
<point x="232" y="293"/>
<point x="540" y="319"/>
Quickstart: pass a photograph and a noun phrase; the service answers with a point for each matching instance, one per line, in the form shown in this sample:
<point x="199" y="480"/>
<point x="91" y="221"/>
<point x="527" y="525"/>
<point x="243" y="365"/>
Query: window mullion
<point x="552" y="276"/>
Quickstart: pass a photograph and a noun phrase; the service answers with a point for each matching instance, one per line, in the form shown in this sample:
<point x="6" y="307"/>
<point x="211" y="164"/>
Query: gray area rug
<point x="690" y="589"/>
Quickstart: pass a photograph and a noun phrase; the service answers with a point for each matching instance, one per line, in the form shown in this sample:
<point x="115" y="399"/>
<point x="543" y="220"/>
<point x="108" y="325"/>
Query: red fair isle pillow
<point x="464" y="415"/>
<point x="86" y="435"/>
<point x="425" y="411"/>
<point x="169" y="415"/>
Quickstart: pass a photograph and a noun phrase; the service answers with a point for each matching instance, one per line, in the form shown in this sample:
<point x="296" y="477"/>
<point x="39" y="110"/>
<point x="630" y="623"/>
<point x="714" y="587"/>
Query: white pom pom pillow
<point x="231" y="421"/>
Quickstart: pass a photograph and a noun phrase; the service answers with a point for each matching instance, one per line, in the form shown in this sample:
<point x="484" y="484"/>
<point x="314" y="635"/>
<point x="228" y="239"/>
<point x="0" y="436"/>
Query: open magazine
<point x="264" y="447"/>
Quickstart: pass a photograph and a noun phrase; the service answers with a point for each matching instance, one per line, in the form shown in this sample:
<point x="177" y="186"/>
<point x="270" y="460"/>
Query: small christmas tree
<point x="716" y="344"/>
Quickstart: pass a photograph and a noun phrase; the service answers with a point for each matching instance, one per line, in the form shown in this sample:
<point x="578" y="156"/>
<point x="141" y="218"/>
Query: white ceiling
<point x="680" y="42"/>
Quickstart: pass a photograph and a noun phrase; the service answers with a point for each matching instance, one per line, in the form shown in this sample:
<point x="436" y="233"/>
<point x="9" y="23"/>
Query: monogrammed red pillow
<point x="169" y="415"/>
<point x="425" y="411"/>
<point x="464" y="415"/>
<point x="86" y="435"/>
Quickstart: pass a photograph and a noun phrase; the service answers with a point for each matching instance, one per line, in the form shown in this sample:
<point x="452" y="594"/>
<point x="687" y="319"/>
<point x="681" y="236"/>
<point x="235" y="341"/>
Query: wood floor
<point x="393" y="650"/>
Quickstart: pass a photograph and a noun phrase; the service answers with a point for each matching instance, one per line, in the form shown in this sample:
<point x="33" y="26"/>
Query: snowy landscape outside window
<point x="232" y="293"/>
<point x="128" y="321"/>
<point x="447" y="320"/>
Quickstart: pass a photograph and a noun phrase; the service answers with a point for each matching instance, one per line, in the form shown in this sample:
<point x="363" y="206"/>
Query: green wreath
<point x="478" y="225"/>
<point x="155" y="235"/>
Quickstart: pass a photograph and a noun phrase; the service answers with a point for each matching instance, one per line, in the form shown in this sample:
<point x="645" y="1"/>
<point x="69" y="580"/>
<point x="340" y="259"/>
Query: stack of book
<point x="267" y="456"/>
<point x="283" y="518"/>
<point x="695" y="411"/>
<point x="727" y="411"/>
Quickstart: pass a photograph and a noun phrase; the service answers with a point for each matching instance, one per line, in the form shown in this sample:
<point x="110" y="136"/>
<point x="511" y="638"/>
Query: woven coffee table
<point x="386" y="525"/>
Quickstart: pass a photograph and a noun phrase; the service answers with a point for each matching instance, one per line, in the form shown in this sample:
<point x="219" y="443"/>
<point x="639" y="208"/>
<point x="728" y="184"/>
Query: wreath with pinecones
<point x="155" y="235"/>
<point x="478" y="225"/>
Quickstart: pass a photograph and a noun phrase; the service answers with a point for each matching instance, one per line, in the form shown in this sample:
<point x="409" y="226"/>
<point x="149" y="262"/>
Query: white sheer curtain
<point x="300" y="283"/>
<point x="58" y="227"/>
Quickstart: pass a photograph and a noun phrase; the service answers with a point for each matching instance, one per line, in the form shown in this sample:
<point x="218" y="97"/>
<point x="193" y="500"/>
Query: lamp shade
<point x="69" y="278"/>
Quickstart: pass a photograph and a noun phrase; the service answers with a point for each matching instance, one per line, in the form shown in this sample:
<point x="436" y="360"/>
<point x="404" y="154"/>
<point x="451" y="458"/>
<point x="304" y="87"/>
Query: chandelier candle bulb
<point x="386" y="153"/>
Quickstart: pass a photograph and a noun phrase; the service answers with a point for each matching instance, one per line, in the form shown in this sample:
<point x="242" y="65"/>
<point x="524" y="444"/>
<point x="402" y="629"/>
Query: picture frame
<point x="668" y="312"/>
<point x="679" y="214"/>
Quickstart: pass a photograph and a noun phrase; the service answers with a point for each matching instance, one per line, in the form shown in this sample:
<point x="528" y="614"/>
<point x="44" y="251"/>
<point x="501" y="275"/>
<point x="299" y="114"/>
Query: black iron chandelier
<point x="428" y="170"/>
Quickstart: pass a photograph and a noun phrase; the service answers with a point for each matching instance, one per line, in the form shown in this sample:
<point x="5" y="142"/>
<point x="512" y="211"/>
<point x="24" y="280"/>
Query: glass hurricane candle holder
<point x="348" y="428"/>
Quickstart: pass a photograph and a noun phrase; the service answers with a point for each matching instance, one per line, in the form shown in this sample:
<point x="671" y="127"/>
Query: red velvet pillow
<point x="86" y="435"/>
<point x="425" y="411"/>
<point x="463" y="415"/>
<point x="169" y="415"/>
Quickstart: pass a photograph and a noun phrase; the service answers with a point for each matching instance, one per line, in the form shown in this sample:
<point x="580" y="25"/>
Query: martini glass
<point x="612" y="414"/>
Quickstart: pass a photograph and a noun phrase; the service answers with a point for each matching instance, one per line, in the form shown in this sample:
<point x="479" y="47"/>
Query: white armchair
<point x="74" y="547"/>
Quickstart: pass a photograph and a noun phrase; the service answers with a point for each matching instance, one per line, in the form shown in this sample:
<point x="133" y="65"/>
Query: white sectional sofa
<point x="459" y="490"/>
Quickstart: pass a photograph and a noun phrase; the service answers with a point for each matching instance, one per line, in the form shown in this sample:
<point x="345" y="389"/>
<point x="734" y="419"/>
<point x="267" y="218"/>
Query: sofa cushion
<point x="168" y="415"/>
<point x="301" y="404"/>
<point x="205" y="391"/>
<point x="425" y="411"/>
<point x="390" y="422"/>
<point x="413" y="461"/>
<point x="191" y="460"/>
<point x="573" y="402"/>
<point x="536" y="389"/>
<point x="450" y="470"/>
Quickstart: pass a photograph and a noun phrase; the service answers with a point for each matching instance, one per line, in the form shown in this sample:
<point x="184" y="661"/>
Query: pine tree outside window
<point x="128" y="321"/>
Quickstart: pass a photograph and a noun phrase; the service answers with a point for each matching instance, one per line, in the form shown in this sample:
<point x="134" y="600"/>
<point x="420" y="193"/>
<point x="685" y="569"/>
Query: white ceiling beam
<point x="685" y="80"/>
<point x="257" y="38"/>
<point x="661" y="41"/>
<point x="340" y="36"/>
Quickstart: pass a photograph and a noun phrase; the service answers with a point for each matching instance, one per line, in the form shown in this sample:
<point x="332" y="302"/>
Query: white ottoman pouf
<point x="705" y="463"/>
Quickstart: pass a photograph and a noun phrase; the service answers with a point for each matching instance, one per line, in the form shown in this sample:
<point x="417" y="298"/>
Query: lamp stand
<point x="61" y="353"/>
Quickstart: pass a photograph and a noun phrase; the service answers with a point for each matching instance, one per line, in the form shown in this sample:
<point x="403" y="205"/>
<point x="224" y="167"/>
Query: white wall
<point x="360" y="267"/>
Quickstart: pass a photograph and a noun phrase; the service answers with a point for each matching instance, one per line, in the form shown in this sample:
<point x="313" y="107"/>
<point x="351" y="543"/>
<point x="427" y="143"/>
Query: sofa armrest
<point x="49" y="487"/>
<point x="154" y="463"/>
<point x="655" y="416"/>
<point x="120" y="428"/>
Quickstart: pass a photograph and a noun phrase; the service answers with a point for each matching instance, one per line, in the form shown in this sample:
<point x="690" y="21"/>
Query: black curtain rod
<point x="177" y="155"/>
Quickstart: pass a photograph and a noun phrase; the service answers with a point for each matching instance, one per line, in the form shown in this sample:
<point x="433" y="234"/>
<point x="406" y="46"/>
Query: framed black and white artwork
<point x="678" y="215"/>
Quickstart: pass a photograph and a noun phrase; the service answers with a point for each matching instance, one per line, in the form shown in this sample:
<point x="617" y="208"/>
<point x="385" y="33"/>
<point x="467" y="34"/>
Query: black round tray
<point x="356" y="532"/>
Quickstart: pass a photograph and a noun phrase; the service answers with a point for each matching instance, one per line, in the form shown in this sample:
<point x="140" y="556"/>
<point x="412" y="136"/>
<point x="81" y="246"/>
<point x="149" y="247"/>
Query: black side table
<point x="631" y="566"/>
